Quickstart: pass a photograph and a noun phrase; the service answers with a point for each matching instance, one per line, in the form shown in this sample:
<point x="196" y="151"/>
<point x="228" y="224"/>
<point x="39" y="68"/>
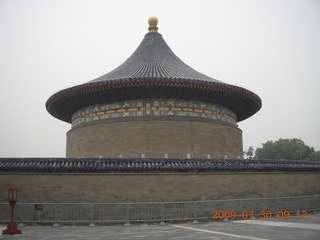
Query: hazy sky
<point x="269" y="47"/>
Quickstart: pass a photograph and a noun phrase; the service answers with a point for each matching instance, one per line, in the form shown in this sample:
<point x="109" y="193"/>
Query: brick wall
<point x="154" y="139"/>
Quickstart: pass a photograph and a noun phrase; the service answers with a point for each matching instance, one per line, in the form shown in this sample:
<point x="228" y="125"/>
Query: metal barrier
<point x="92" y="213"/>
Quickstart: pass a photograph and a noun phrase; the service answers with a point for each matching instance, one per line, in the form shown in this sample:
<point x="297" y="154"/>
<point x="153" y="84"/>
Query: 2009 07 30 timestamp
<point x="262" y="214"/>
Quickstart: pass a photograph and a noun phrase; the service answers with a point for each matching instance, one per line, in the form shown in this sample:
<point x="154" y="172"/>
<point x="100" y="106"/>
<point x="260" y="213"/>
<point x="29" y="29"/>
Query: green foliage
<point x="291" y="149"/>
<point x="250" y="152"/>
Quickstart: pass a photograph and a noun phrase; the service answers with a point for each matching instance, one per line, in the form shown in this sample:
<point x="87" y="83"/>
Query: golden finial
<point x="153" y="22"/>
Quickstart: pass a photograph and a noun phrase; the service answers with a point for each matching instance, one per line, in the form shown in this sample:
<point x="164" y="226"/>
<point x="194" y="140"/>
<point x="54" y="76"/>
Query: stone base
<point x="150" y="138"/>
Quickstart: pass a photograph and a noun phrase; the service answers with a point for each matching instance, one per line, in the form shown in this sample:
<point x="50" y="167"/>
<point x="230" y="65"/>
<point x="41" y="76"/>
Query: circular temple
<point x="155" y="106"/>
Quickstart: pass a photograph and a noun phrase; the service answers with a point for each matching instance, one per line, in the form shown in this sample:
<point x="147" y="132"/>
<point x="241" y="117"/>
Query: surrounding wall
<point x="156" y="186"/>
<point x="156" y="138"/>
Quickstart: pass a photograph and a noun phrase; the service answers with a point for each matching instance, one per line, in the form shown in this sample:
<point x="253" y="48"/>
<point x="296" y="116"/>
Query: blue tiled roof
<point x="154" y="59"/>
<point x="154" y="165"/>
<point x="153" y="71"/>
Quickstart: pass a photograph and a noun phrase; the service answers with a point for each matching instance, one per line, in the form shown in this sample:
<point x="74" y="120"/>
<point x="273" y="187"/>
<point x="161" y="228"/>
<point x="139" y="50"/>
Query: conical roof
<point x="153" y="71"/>
<point x="153" y="59"/>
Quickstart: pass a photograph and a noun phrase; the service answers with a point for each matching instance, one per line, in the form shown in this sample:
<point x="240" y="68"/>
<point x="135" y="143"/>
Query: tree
<point x="250" y="152"/>
<point x="291" y="149"/>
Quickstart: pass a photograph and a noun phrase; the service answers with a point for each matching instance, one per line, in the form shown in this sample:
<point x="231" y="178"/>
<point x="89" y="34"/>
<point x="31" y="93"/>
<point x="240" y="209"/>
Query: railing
<point x="92" y="213"/>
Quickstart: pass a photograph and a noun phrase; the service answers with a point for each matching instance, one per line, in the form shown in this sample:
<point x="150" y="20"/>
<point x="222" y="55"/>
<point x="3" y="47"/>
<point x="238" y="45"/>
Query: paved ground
<point x="274" y="228"/>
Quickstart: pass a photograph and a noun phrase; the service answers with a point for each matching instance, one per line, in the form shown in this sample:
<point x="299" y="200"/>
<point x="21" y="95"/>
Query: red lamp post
<point x="12" y="198"/>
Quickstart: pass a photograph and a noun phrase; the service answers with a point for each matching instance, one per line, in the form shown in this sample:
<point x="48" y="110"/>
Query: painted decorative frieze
<point x="154" y="107"/>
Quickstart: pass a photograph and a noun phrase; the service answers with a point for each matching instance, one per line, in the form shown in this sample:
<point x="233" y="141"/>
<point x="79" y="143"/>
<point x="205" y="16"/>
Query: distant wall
<point x="178" y="138"/>
<point x="142" y="187"/>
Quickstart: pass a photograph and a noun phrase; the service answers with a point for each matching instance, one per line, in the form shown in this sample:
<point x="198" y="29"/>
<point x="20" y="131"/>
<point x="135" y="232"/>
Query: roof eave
<point x="63" y="104"/>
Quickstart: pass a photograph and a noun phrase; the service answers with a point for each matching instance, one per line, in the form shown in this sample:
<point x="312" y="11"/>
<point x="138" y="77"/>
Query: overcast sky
<point x="269" y="47"/>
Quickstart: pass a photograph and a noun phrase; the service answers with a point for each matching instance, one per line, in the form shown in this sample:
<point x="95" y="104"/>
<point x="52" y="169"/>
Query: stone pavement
<point x="258" y="229"/>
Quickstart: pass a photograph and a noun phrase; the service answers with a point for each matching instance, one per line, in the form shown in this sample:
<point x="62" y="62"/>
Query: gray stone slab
<point x="259" y="229"/>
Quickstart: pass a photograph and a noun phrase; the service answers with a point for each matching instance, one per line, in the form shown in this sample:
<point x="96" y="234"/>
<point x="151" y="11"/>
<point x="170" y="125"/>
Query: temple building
<point x="154" y="106"/>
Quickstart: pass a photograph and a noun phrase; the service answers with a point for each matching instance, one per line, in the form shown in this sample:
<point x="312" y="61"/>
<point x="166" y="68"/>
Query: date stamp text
<point x="262" y="214"/>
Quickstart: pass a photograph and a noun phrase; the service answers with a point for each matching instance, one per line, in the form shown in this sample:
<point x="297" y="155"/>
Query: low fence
<point x="95" y="213"/>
